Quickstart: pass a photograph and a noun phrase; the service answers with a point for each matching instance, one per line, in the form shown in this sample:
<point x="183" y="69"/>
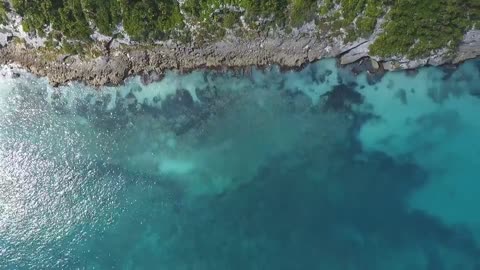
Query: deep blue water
<point x="312" y="169"/>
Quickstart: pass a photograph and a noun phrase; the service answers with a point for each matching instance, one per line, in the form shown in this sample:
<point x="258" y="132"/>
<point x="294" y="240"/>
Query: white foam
<point x="165" y="87"/>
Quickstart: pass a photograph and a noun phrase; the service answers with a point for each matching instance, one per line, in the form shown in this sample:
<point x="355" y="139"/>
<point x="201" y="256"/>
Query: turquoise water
<point x="311" y="169"/>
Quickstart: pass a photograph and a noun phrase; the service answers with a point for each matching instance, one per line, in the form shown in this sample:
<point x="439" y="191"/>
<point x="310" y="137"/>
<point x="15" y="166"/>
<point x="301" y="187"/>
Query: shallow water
<point x="313" y="169"/>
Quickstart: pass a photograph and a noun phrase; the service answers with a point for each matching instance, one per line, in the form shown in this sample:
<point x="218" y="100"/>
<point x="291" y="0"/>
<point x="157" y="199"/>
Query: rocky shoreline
<point x="121" y="62"/>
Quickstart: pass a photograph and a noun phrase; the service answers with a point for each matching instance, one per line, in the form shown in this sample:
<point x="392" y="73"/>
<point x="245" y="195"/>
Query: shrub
<point x="418" y="28"/>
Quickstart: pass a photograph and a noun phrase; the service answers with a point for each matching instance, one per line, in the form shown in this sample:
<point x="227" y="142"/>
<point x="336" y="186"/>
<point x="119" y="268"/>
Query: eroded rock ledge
<point x="116" y="65"/>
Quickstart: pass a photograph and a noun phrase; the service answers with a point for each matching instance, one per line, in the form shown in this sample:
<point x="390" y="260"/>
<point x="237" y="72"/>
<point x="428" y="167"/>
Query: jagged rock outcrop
<point x="120" y="57"/>
<point x="126" y="61"/>
<point x="468" y="49"/>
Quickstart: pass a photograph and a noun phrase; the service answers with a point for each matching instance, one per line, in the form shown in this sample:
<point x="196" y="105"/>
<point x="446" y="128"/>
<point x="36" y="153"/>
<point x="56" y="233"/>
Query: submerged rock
<point x="342" y="97"/>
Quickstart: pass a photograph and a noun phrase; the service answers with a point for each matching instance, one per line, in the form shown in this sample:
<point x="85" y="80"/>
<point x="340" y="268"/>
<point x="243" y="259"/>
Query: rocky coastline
<point x="120" y="62"/>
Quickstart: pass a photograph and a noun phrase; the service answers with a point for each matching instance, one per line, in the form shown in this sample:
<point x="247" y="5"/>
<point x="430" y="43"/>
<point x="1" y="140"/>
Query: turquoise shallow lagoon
<point x="311" y="169"/>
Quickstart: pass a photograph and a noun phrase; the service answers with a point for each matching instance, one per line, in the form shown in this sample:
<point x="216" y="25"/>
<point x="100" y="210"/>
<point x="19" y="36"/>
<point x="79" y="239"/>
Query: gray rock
<point x="123" y="58"/>
<point x="375" y="64"/>
<point x="469" y="48"/>
<point x="5" y="38"/>
<point x="356" y="53"/>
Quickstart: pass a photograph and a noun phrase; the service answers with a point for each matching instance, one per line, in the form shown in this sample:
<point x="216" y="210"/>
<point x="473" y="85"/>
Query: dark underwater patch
<point x="342" y="97"/>
<point x="335" y="222"/>
<point x="321" y="204"/>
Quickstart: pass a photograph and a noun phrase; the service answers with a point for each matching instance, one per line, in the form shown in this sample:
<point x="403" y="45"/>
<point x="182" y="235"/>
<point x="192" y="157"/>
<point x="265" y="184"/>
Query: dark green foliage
<point x="230" y="19"/>
<point x="36" y="14"/>
<point x="215" y="17"/>
<point x="413" y="27"/>
<point x="327" y="7"/>
<point x="373" y="9"/>
<point x="302" y="11"/>
<point x="142" y="19"/>
<point x="203" y="9"/>
<point x="417" y="28"/>
<point x="357" y="17"/>
<point x="474" y="13"/>
<point x="106" y="14"/>
<point x="66" y="16"/>
<point x="151" y="19"/>
<point x="71" y="20"/>
<point x="277" y="8"/>
<point x="3" y="12"/>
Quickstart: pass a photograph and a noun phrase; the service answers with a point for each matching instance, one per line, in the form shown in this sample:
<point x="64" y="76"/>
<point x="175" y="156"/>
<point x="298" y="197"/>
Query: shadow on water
<point x="301" y="211"/>
<point x="349" y="219"/>
<point x="342" y="97"/>
<point x="318" y="206"/>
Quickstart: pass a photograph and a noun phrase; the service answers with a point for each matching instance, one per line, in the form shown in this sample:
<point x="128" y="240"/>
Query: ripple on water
<point x="298" y="170"/>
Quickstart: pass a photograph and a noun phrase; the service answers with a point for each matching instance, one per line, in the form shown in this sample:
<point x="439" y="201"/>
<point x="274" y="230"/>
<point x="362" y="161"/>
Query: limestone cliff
<point x="103" y="42"/>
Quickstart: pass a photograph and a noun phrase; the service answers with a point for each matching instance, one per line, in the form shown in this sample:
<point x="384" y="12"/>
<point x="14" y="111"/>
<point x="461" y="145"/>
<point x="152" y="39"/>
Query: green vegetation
<point x="66" y="16"/>
<point x="417" y="28"/>
<point x="202" y="10"/>
<point x="357" y="17"/>
<point x="413" y="28"/>
<point x="3" y="12"/>
<point x="215" y="17"/>
<point x="150" y="19"/>
<point x="302" y="11"/>
<point x="143" y="19"/>
<point x="266" y="8"/>
<point x="105" y="14"/>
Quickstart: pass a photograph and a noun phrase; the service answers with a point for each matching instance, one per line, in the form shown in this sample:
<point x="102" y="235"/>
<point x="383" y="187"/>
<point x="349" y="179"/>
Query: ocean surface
<point x="321" y="168"/>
